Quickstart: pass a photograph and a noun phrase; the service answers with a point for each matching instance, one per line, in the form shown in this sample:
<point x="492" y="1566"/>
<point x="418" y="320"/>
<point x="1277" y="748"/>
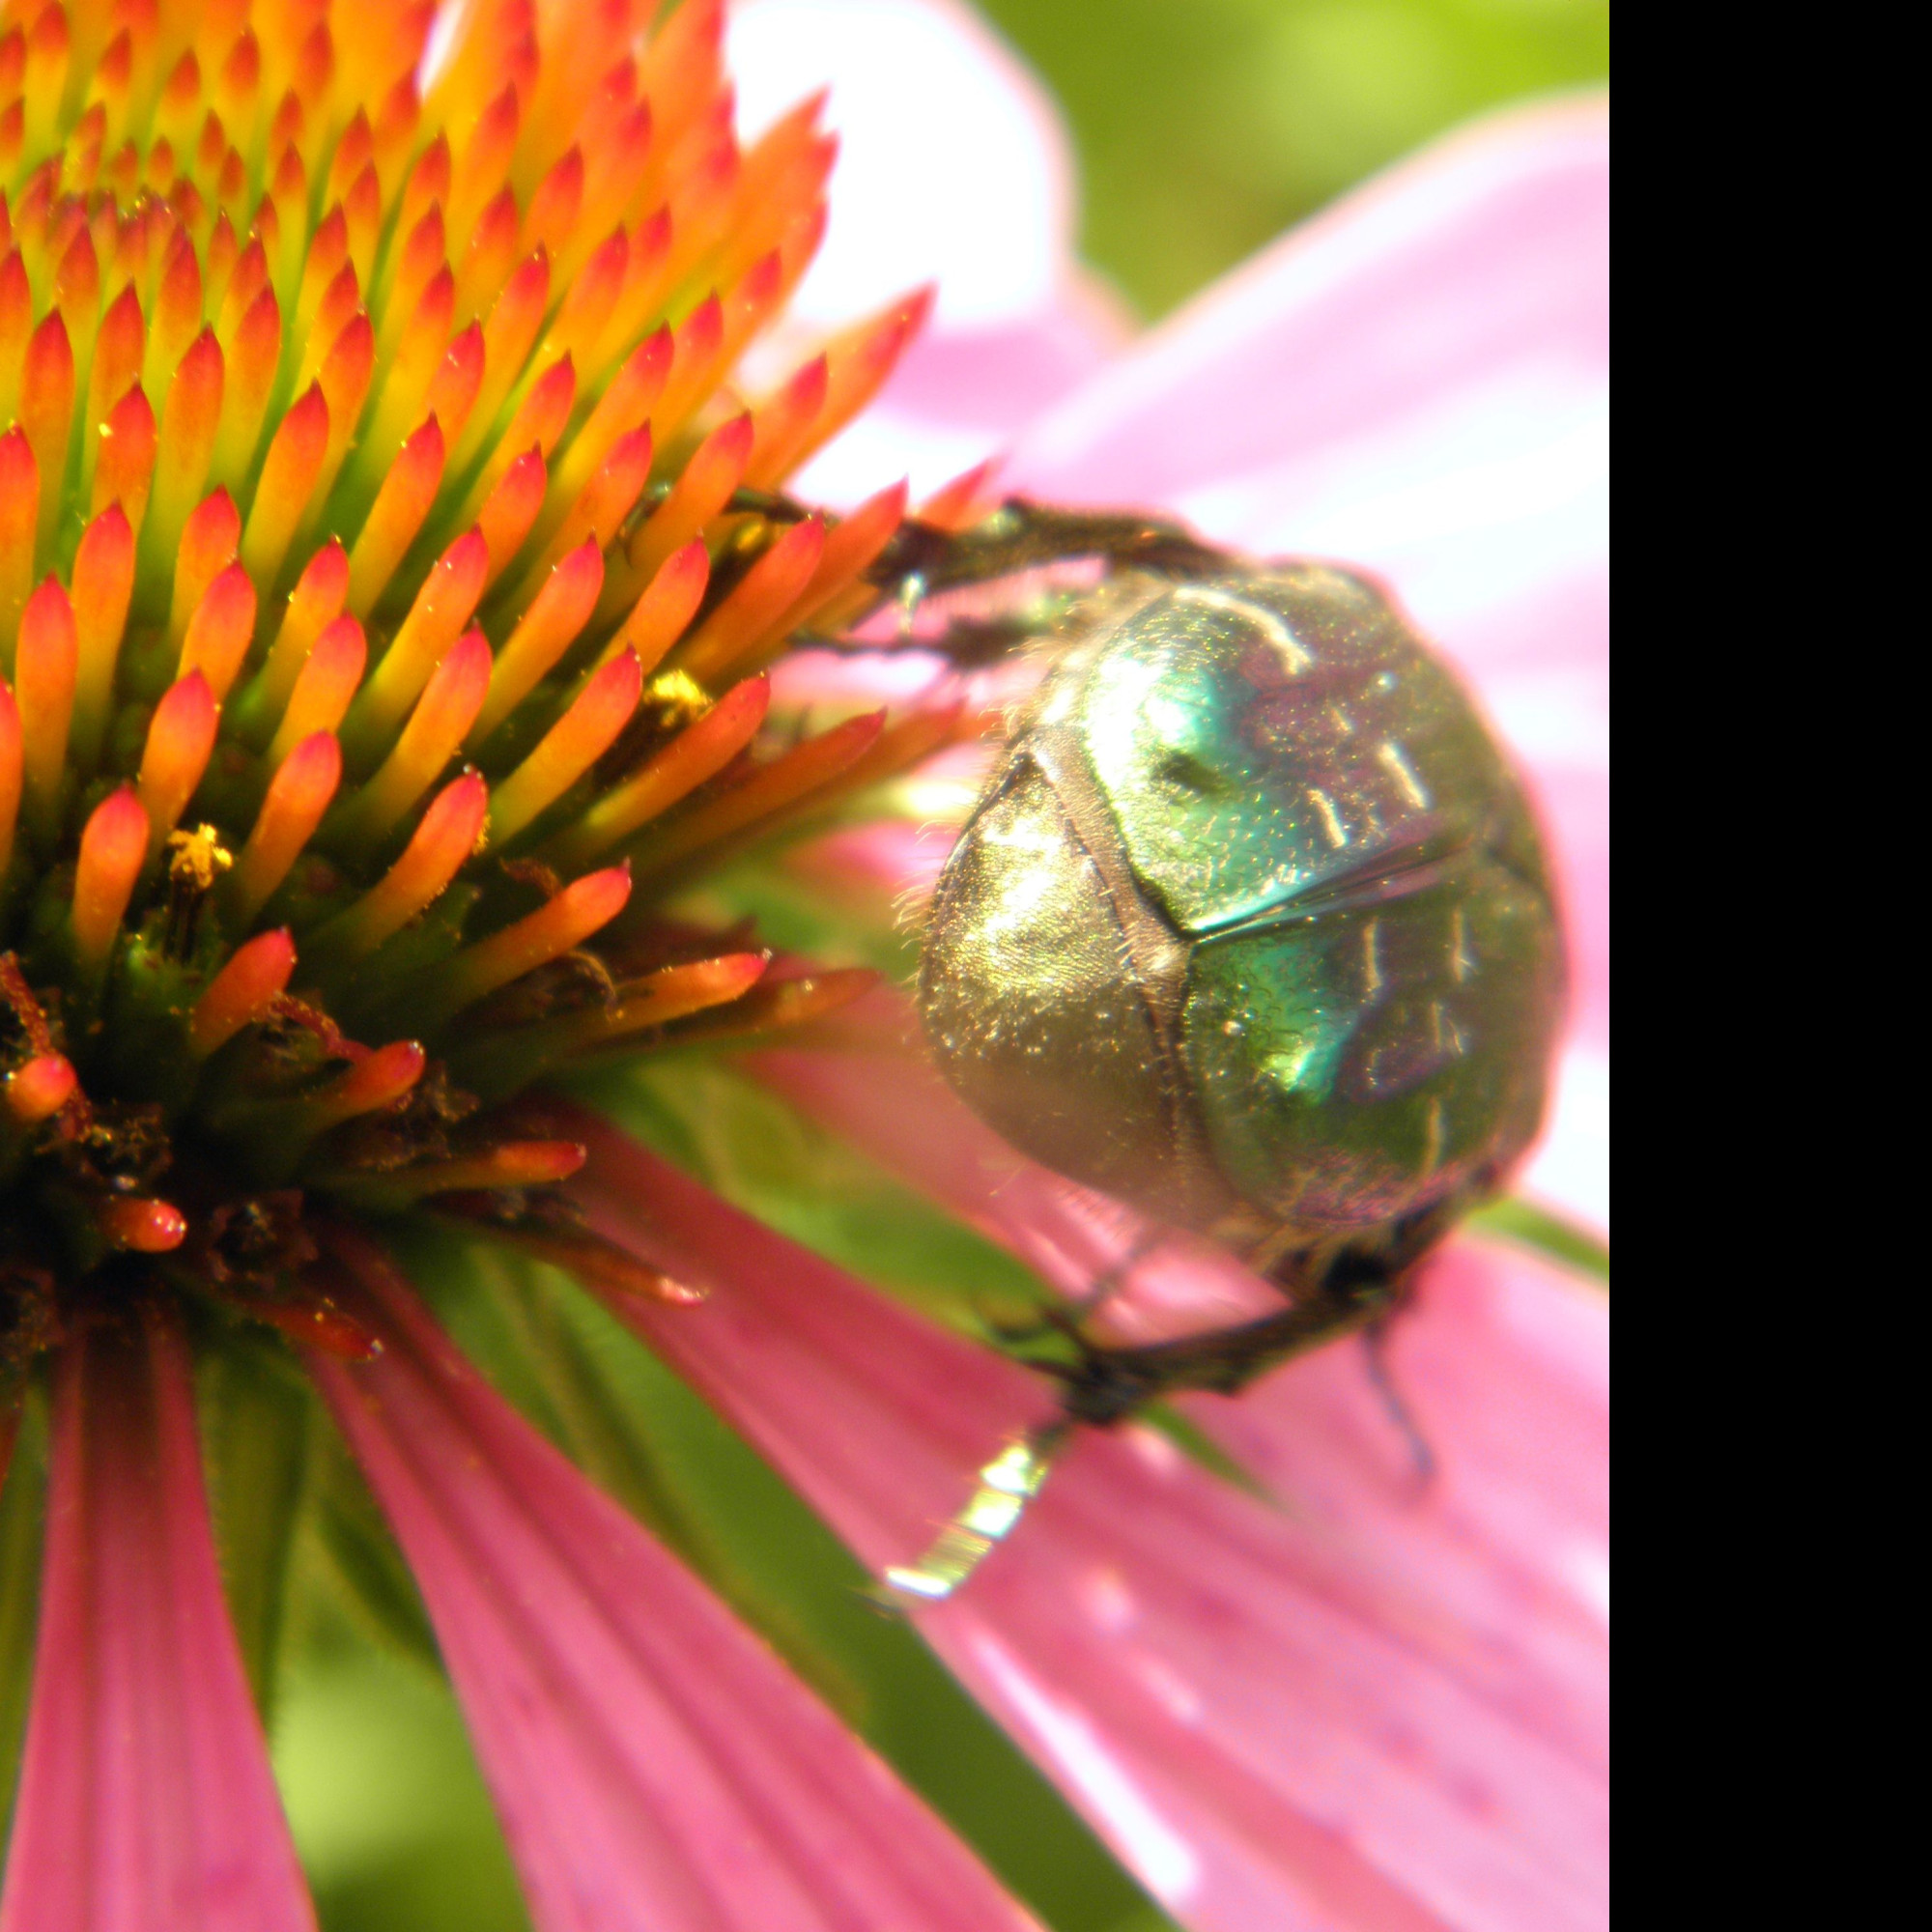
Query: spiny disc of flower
<point x="384" y="595"/>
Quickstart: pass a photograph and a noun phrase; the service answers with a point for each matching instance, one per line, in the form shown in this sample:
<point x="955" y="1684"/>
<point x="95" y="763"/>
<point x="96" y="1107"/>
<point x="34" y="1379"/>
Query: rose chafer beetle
<point x="1251" y="929"/>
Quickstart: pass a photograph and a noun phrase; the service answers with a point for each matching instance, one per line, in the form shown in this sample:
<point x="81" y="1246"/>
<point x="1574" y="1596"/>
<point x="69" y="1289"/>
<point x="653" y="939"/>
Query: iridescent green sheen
<point x="1253" y="929"/>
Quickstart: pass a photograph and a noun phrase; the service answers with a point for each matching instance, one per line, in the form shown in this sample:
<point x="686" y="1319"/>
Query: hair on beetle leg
<point x="912" y="909"/>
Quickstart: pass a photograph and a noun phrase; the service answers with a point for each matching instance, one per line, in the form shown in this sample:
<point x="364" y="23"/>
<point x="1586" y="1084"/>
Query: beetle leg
<point x="775" y="506"/>
<point x="1022" y="536"/>
<point x="1114" y="1277"/>
<point x="1007" y="1485"/>
<point x="1065" y="1319"/>
<point x="1374" y="1347"/>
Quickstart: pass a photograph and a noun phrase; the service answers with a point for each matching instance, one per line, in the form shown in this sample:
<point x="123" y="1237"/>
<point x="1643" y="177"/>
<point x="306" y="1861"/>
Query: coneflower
<point x="398" y="608"/>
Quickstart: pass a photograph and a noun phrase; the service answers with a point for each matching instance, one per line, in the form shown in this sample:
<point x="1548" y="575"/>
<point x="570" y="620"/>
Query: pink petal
<point x="880" y="863"/>
<point x="1371" y="1709"/>
<point x="952" y="164"/>
<point x="954" y="168"/>
<point x="961" y="395"/>
<point x="1378" y="1708"/>
<point x="1416" y="377"/>
<point x="850" y="682"/>
<point x="654" y="1765"/>
<point x="1569" y="1168"/>
<point x="875" y="1414"/>
<point x="146" y="1797"/>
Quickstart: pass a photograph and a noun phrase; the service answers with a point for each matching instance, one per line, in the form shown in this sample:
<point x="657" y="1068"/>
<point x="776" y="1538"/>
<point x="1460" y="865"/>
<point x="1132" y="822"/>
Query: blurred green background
<point x="1203" y="127"/>
<point x="1207" y="126"/>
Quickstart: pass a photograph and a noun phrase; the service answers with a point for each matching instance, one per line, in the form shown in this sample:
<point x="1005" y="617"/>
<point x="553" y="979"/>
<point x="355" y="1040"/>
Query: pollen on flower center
<point x="387" y="569"/>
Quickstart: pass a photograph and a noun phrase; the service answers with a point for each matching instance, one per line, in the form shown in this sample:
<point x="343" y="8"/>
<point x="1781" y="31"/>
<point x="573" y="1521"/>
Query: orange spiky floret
<point x="697" y="752"/>
<point x="543" y="634"/>
<point x="377" y="1080"/>
<point x="395" y="517"/>
<point x="733" y="631"/>
<point x="41" y="1087"/>
<point x="217" y="633"/>
<point x="506" y="1165"/>
<point x="582" y="908"/>
<point x="323" y="686"/>
<point x="113" y="847"/>
<point x="243" y="991"/>
<point x="437" y="725"/>
<point x="45" y="665"/>
<point x="699" y="494"/>
<point x="206" y="547"/>
<point x="12" y="775"/>
<point x="349" y="432"/>
<point x="764" y="794"/>
<point x="315" y="599"/>
<point x="147" y="1227"/>
<point x="103" y="586"/>
<point x="180" y="741"/>
<point x="664" y="606"/>
<point x="570" y="747"/>
<point x="297" y="796"/>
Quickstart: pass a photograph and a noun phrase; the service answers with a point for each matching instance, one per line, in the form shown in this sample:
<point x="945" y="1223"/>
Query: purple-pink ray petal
<point x="1383" y="1706"/>
<point x="146" y="1799"/>
<point x="821" y="1372"/>
<point x="654" y="1765"/>
<point x="954" y="164"/>
<point x="1416" y="376"/>
<point x="1378" y="1707"/>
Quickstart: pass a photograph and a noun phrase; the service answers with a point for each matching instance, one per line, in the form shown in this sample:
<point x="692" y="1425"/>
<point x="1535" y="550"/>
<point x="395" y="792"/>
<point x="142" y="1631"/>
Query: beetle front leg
<point x="1022" y="536"/>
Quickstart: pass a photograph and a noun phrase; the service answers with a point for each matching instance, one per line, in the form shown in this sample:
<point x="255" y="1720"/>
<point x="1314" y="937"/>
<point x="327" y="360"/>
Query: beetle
<point x="1251" y="929"/>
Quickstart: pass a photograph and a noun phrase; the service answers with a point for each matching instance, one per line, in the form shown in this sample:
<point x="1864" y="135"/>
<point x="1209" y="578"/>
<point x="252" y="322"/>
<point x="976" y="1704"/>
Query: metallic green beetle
<point x="1251" y="929"/>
